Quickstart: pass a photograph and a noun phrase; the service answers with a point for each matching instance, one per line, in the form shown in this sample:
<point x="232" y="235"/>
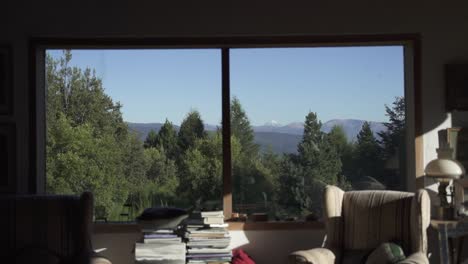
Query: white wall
<point x="442" y="25"/>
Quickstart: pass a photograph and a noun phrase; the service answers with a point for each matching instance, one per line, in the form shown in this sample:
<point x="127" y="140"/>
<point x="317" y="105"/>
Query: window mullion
<point x="226" y="123"/>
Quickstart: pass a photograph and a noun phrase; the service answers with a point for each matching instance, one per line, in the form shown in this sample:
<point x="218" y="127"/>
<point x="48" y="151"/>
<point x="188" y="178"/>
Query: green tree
<point x="304" y="176"/>
<point x="253" y="181"/>
<point x="133" y="162"/>
<point x="191" y="130"/>
<point x="316" y="154"/>
<point x="345" y="151"/>
<point x="162" y="171"/>
<point x="368" y="155"/>
<point x="311" y="138"/>
<point x="392" y="138"/>
<point x="241" y="128"/>
<point x="89" y="147"/>
<point x="151" y="139"/>
<point x="338" y="139"/>
<point x="167" y="139"/>
<point x="201" y="170"/>
<point x="77" y="161"/>
<point x="293" y="197"/>
<point x="393" y="143"/>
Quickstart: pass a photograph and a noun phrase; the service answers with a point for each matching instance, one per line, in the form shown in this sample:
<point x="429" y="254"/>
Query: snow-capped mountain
<point x="273" y="123"/>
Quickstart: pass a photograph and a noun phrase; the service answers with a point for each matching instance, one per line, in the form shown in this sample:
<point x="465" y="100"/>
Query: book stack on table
<point x="160" y="246"/>
<point x="207" y="238"/>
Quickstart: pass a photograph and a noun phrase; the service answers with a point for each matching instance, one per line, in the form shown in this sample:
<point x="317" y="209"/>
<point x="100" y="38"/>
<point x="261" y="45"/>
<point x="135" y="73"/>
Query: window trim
<point x="104" y="228"/>
<point x="412" y="75"/>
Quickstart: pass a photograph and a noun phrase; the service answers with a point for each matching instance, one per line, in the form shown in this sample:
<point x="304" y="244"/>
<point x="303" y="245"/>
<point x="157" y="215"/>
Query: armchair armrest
<point x="98" y="259"/>
<point x="416" y="258"/>
<point x="312" y="256"/>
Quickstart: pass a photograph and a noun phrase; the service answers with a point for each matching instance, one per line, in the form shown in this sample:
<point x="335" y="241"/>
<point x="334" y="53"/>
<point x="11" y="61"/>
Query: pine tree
<point x="241" y="128"/>
<point x="338" y="139"/>
<point x="316" y="154"/>
<point x="317" y="160"/>
<point x="392" y="138"/>
<point x="312" y="136"/>
<point x="167" y="139"/>
<point x="344" y="149"/>
<point x="393" y="143"/>
<point x="292" y="196"/>
<point x="368" y="155"/>
<point x="191" y="129"/>
<point x="151" y="139"/>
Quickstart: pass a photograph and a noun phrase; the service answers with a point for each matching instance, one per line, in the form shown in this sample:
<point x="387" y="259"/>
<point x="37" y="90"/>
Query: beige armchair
<point x="359" y="221"/>
<point x="48" y="229"/>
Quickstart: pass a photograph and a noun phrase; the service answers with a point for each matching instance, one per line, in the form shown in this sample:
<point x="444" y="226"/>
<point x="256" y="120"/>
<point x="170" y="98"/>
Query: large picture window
<point x="138" y="128"/>
<point x="304" y="118"/>
<point x="144" y="128"/>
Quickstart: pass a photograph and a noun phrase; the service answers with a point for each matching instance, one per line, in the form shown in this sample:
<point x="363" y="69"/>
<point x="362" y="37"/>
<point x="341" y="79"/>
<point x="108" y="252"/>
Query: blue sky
<point x="281" y="84"/>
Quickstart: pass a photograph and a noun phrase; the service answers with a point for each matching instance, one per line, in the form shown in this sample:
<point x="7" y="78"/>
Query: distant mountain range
<point x="279" y="138"/>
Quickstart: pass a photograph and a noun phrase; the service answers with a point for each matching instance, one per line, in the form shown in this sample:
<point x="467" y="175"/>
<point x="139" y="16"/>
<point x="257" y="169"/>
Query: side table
<point x="450" y="232"/>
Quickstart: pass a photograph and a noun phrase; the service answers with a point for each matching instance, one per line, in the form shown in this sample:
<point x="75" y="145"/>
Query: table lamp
<point x="444" y="169"/>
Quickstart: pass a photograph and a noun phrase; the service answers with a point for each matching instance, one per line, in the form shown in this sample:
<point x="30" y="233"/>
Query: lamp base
<point x="444" y="213"/>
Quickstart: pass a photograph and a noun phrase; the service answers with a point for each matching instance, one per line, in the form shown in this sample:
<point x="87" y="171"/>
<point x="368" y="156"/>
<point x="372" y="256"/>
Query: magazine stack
<point x="161" y="241"/>
<point x="207" y="238"/>
<point x="160" y="246"/>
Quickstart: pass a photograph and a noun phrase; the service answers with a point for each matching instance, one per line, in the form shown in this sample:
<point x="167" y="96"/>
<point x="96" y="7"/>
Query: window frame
<point x="412" y="89"/>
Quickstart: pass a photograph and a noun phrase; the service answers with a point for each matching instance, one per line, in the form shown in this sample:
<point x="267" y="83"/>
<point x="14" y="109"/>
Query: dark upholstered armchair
<point x="359" y="221"/>
<point x="47" y="229"/>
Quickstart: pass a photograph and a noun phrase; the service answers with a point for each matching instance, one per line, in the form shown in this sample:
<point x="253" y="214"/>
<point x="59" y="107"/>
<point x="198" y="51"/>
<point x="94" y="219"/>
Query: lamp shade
<point x="444" y="166"/>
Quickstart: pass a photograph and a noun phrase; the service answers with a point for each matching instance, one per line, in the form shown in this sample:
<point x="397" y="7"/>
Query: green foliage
<point x="337" y="138"/>
<point x="88" y="145"/>
<point x="167" y="139"/>
<point x="133" y="159"/>
<point x="303" y="177"/>
<point x="78" y="161"/>
<point x="162" y="171"/>
<point x="293" y="197"/>
<point x="393" y="137"/>
<point x="151" y="140"/>
<point x="393" y="143"/>
<point x="253" y="181"/>
<point x="241" y="128"/>
<point x="311" y="138"/>
<point x="201" y="170"/>
<point x="345" y="151"/>
<point x="191" y="130"/>
<point x="368" y="156"/>
<point x="317" y="156"/>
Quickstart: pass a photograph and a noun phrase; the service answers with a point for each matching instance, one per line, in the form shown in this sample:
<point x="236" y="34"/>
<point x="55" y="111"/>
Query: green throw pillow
<point x="386" y="253"/>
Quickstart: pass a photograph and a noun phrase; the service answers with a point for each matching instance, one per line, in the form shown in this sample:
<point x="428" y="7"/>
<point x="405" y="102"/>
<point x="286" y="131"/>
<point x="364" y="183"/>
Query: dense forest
<point x="90" y="148"/>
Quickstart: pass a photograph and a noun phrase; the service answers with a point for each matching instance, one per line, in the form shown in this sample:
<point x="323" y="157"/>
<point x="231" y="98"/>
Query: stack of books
<point x="160" y="246"/>
<point x="207" y="238"/>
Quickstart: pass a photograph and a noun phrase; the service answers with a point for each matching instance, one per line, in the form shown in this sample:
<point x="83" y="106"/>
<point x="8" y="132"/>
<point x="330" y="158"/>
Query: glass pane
<point x="138" y="128"/>
<point x="304" y="118"/>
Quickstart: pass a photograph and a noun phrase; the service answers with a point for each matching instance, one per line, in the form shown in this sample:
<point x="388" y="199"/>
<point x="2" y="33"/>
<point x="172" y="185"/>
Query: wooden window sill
<point x="102" y="228"/>
<point x="274" y="225"/>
